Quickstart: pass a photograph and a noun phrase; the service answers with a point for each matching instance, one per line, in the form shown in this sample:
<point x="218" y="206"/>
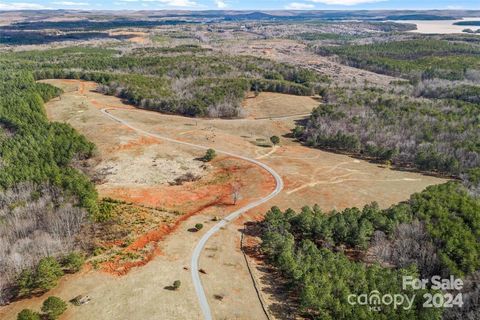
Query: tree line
<point x="439" y="135"/>
<point x="186" y="80"/>
<point x="323" y="255"/>
<point x="43" y="199"/>
<point x="414" y="59"/>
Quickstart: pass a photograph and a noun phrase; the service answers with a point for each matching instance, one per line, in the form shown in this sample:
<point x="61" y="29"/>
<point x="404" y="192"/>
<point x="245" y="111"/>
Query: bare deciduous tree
<point x="411" y="245"/>
<point x="236" y="195"/>
<point x="37" y="221"/>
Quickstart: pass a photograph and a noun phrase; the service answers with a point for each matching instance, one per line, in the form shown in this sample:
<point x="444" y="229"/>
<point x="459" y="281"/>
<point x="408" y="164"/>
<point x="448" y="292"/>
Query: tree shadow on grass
<point x="285" y="304"/>
<point x="171" y="288"/>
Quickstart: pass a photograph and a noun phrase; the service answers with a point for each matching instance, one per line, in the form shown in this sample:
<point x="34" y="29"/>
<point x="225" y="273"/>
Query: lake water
<point x="440" y="26"/>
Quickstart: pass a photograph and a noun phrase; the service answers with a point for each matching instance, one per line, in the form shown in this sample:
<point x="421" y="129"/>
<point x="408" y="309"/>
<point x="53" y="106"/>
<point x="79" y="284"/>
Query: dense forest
<point x="45" y="37"/>
<point x="91" y="25"/>
<point x="184" y="80"/>
<point x="43" y="199"/>
<point x="413" y="59"/>
<point x="429" y="123"/>
<point x="439" y="135"/>
<point x="467" y="23"/>
<point x="457" y="90"/>
<point x="323" y="255"/>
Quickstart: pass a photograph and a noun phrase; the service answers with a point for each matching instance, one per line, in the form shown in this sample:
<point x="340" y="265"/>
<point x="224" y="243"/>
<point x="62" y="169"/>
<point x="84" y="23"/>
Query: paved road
<point x="202" y="298"/>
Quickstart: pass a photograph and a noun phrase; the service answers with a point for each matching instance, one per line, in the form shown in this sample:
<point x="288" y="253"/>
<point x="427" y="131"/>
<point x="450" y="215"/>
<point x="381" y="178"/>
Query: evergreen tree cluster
<point x="320" y="254"/>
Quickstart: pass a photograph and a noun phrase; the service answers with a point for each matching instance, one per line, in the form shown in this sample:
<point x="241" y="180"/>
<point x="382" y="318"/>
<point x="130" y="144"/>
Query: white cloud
<point x="178" y="3"/>
<point x="221" y="4"/>
<point x="154" y="3"/>
<point x="173" y="3"/>
<point x="182" y="3"/>
<point x="299" y="6"/>
<point x="21" y="6"/>
<point x="70" y="3"/>
<point x="345" y="2"/>
<point x="454" y="7"/>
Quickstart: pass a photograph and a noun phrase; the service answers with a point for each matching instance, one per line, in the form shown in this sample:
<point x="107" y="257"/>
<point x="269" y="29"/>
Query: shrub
<point x="198" y="226"/>
<point x="187" y="177"/>
<point x="44" y="277"/>
<point x="210" y="155"/>
<point x="27" y="314"/>
<point x="73" y="262"/>
<point x="105" y="210"/>
<point x="176" y="284"/>
<point x="25" y="283"/>
<point x="53" y="307"/>
<point x="298" y="131"/>
<point x="275" y="140"/>
<point x="48" y="273"/>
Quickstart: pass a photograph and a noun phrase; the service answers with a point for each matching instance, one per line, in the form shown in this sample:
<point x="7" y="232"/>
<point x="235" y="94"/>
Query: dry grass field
<point x="276" y="105"/>
<point x="139" y="169"/>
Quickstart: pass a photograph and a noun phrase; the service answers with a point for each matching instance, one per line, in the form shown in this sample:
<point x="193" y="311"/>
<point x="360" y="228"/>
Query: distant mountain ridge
<point x="422" y="17"/>
<point x="188" y="16"/>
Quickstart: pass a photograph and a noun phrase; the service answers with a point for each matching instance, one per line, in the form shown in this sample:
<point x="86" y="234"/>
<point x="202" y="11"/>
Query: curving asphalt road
<point x="202" y="298"/>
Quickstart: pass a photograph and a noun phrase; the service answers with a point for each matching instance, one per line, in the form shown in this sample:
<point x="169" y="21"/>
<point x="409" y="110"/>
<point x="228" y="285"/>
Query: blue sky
<point x="238" y="4"/>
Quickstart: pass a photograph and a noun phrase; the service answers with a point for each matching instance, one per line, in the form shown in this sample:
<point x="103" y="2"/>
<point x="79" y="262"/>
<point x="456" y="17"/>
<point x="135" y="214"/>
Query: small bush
<point x="187" y="177"/>
<point x="210" y="155"/>
<point x="98" y="251"/>
<point x="105" y="210"/>
<point x="73" y="262"/>
<point x="44" y="277"/>
<point x="27" y="314"/>
<point x="275" y="140"/>
<point x="25" y="283"/>
<point x="48" y="273"/>
<point x="53" y="307"/>
<point x="199" y="226"/>
<point x="176" y="284"/>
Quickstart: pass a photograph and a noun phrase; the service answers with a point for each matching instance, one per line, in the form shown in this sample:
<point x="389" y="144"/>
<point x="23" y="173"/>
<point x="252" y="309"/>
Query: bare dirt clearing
<point x="311" y="176"/>
<point x="138" y="37"/>
<point x="297" y="53"/>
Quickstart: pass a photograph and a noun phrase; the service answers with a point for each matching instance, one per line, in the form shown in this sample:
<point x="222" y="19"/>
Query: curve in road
<point x="202" y="298"/>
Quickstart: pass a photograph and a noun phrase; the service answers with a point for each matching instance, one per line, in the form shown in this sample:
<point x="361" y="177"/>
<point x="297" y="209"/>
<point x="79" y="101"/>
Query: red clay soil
<point x="193" y="199"/>
<point x="152" y="239"/>
<point x="119" y="268"/>
<point x="172" y="198"/>
<point x="136" y="144"/>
